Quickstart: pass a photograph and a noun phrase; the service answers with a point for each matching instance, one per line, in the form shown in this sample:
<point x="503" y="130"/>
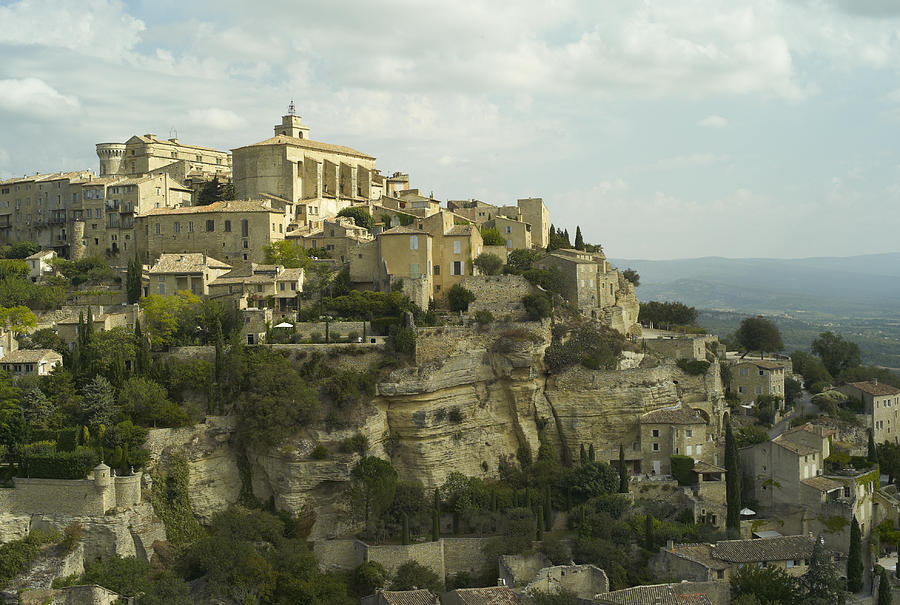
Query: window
<point x="509" y="229"/>
<point x="457" y="247"/>
<point x="293" y="285"/>
<point x="162" y="288"/>
<point x="211" y="225"/>
<point x="743" y="371"/>
<point x="281" y="286"/>
<point x="655" y="447"/>
<point x="245" y="228"/>
<point x="413" y="242"/>
<point x="688" y="433"/>
<point x="190" y="226"/>
<point x="689" y="451"/>
<point x="762" y="372"/>
<point x="655" y="433"/>
<point x="177" y="227"/>
<point x="456" y="268"/>
<point x="759" y="390"/>
<point x="509" y="244"/>
<point x="699" y="449"/>
<point x="414" y="270"/>
<point x="156" y="228"/>
<point x="227" y="226"/>
<point x="246" y="246"/>
<point x="437" y="268"/>
<point x="740" y="389"/>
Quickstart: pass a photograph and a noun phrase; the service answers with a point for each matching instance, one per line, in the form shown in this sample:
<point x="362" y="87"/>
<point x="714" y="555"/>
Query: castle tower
<point x="111" y="157"/>
<point x="101" y="476"/>
<point x="292" y="125"/>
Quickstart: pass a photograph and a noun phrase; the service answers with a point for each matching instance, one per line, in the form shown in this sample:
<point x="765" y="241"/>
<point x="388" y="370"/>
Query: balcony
<point x="112" y="205"/>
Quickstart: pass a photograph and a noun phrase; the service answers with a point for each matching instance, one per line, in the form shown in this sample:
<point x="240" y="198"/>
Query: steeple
<point x="292" y="125"/>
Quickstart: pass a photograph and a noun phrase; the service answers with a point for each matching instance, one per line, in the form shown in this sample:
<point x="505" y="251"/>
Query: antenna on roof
<point x="173" y="134"/>
<point x="291" y="108"/>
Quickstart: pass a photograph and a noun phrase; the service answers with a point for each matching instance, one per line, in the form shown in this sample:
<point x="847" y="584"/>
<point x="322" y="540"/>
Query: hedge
<point x="692" y="366"/>
<point x="66" y="439"/>
<point x="60" y="465"/>
<point x="683" y="470"/>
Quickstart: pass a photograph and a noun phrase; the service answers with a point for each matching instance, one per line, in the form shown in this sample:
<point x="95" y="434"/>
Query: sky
<point x="760" y="128"/>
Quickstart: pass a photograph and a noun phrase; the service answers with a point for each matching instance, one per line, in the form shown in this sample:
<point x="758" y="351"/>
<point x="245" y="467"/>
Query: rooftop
<point x="673" y="415"/>
<point x="823" y="484"/>
<point x="226" y="206"/>
<point x="408" y="597"/>
<point x="282" y="139"/>
<point x="401" y="230"/>
<point x="875" y="388"/>
<point x="761" y="363"/>
<point x="175" y="143"/>
<point x="30" y="356"/>
<point x="764" y="549"/>
<point x="639" y="595"/>
<point x="186" y="263"/>
<point x="793" y="446"/>
<point x="492" y="595"/>
<point x="40" y="254"/>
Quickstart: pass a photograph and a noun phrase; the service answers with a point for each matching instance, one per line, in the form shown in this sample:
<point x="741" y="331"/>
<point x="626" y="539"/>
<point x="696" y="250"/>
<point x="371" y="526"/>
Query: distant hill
<point x="855" y="286"/>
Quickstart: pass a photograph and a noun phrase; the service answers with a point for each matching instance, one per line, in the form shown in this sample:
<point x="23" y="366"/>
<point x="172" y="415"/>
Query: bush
<point x="750" y="435"/>
<point x="537" y="306"/>
<point x="492" y="237"/>
<point x="459" y="298"/>
<point x="692" y="366"/>
<point x="683" y="470"/>
<point x="60" y="465"/>
<point x="412" y="575"/>
<point x="488" y="264"/>
<point x="483" y="318"/>
<point x="369" y="577"/>
<point x="402" y="340"/>
<point x="358" y="444"/>
<point x="320" y="452"/>
<point x="592" y="345"/>
<point x="16" y="556"/>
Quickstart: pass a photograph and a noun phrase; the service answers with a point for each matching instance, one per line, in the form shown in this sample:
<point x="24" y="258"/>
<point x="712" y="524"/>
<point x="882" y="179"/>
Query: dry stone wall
<point x="500" y="294"/>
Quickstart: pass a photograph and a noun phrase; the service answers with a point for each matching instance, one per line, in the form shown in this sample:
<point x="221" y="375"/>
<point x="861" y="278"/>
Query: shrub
<point x="492" y="237"/>
<point x="484" y="317"/>
<point x="17" y="556"/>
<point x="358" y="443"/>
<point x="592" y="345"/>
<point x="455" y="416"/>
<point x="320" y="452"/>
<point x="60" y="465"/>
<point x="692" y="366"/>
<point x="683" y="469"/>
<point x="488" y="264"/>
<point x="751" y="435"/>
<point x="402" y="340"/>
<point x="459" y="298"/>
<point x="537" y="306"/>
<point x="413" y="575"/>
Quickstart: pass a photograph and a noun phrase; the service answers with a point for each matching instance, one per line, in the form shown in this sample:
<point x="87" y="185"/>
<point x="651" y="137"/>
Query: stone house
<point x="678" y="430"/>
<point x="400" y="254"/>
<point x="530" y="211"/>
<point x="654" y="594"/>
<point x="881" y="403"/>
<point x="481" y="212"/>
<point x="401" y="597"/>
<point x="173" y="273"/>
<point x="753" y="378"/>
<point x="336" y="236"/>
<point x="67" y="329"/>
<point x="583" y="580"/>
<point x="39" y="264"/>
<point x="141" y="155"/>
<point x="325" y="177"/>
<point x="492" y="595"/>
<point x="588" y="281"/>
<point x="28" y="362"/>
<point x="718" y="561"/>
<point x="261" y="286"/>
<point x="455" y="247"/>
<point x="235" y="231"/>
<point x="516" y="233"/>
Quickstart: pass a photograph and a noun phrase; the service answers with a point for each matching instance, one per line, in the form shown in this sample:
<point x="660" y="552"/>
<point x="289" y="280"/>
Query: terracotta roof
<point x="699" y="553"/>
<point x="823" y="484"/>
<point x="30" y="356"/>
<point x="290" y="274"/>
<point x="874" y="388"/>
<point x="764" y="549"/>
<point x="674" y="415"/>
<point x="661" y="594"/>
<point x="282" y="139"/>
<point x="492" y="595"/>
<point x="696" y="598"/>
<point x="408" y="597"/>
<point x="193" y="262"/>
<point x="227" y="206"/>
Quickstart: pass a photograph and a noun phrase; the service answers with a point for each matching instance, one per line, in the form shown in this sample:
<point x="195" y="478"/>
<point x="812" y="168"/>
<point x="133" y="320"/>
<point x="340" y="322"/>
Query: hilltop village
<point x="276" y="375"/>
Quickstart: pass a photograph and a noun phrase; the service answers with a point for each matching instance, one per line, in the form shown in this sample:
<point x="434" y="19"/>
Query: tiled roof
<point x="310" y="144"/>
<point x="193" y="262"/>
<point x="290" y="274"/>
<point x="401" y="230"/>
<point x="639" y="595"/>
<point x="792" y="446"/>
<point x="493" y="595"/>
<point x="29" y="356"/>
<point x="763" y="549"/>
<point x="874" y="388"/>
<point x="408" y="597"/>
<point x="673" y="415"/>
<point x="40" y="254"/>
<point x="226" y="206"/>
<point x="696" y="598"/>
<point x="699" y="553"/>
<point x="823" y="484"/>
<point x="168" y="142"/>
<point x="460" y="230"/>
<point x="706" y="467"/>
<point x="815" y="429"/>
<point x="761" y="363"/>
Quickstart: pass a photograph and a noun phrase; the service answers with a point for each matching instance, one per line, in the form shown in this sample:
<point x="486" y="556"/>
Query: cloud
<point x="215" y="117"/>
<point x="35" y="97"/>
<point x="713" y="121"/>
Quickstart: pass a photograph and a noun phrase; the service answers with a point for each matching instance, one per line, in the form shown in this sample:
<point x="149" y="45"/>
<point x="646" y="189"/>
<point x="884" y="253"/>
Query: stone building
<point x="672" y="431"/>
<point x="67" y="329"/>
<point x="401" y="254"/>
<point x="718" y="561"/>
<point x="492" y="595"/>
<point x="235" y="231"/>
<point x="141" y="155"/>
<point x="654" y="594"/>
<point x="30" y="362"/>
<point x="881" y="403"/>
<point x="401" y="597"/>
<point x="322" y="176"/>
<point x="752" y="378"/>
<point x="173" y="273"/>
<point x="259" y="286"/>
<point x="455" y="247"/>
<point x="530" y="211"/>
<point x="336" y="237"/>
<point x="516" y="233"/>
<point x="39" y="264"/>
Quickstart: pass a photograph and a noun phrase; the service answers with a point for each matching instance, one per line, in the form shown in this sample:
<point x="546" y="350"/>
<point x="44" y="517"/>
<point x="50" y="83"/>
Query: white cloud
<point x="713" y="121"/>
<point x="35" y="97"/>
<point x="216" y="118"/>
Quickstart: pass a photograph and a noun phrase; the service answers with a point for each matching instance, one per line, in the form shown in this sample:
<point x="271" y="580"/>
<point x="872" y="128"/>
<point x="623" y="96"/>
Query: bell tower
<point x="292" y="125"/>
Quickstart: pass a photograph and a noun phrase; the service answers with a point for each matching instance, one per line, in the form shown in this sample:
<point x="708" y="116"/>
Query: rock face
<point x="464" y="411"/>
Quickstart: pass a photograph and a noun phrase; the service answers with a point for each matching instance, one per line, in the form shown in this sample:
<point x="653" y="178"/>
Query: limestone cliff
<point x="473" y="400"/>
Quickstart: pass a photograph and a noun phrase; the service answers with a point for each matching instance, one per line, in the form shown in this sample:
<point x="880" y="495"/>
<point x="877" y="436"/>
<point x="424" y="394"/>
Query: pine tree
<point x="551" y="240"/>
<point x="649" y="534"/>
<point x="591" y="453"/>
<point x="854" y="559"/>
<point x="436" y="517"/>
<point x="99" y="403"/>
<point x="732" y="482"/>
<point x="133" y="281"/>
<point x="623" y="472"/>
<point x="548" y="509"/>
<point x="584" y="458"/>
<point x="822" y="583"/>
<point x="884" y="588"/>
<point x="527" y="498"/>
<point x="142" y="352"/>
<point x="539" y="521"/>
<point x="565" y="239"/>
<point x="405" y="531"/>
<point x="872" y="454"/>
<point x="579" y="241"/>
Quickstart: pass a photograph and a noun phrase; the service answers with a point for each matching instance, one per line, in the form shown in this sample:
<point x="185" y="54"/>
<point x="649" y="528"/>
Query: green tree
<point x="162" y="315"/>
<point x="590" y="480"/>
<point x="759" y="334"/>
<point x="770" y="584"/>
<point x="623" y="471"/>
<point x="538" y="306"/>
<point x="148" y="404"/>
<point x="836" y="353"/>
<point x="133" y="281"/>
<point x="872" y="453"/>
<point x="413" y="575"/>
<point x="579" y="241"/>
<point x="286" y="253"/>
<point x="17" y="319"/>
<point x="633" y="276"/>
<point x="369" y="577"/>
<point x="821" y="584"/>
<point x="491" y="236"/>
<point x="732" y="482"/>
<point x="211" y="192"/>
<point x="142" y="351"/>
<point x="649" y="534"/>
<point x="667" y="314"/>
<point x="39" y="411"/>
<point x="520" y="260"/>
<point x="459" y="298"/>
<point x="360" y="216"/>
<point x="854" y="558"/>
<point x="592" y="454"/>
<point x="884" y="588"/>
<point x="99" y="403"/>
<point x="373" y="483"/>
<point x="792" y="390"/>
<point x="436" y="517"/>
<point x="124" y="575"/>
<point x="583" y="455"/>
<point x="488" y="264"/>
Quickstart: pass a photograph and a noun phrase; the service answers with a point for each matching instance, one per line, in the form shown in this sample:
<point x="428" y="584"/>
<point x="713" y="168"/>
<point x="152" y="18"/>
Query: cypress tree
<point x="133" y="281"/>
<point x="854" y="559"/>
<point x="142" y="353"/>
<point x="872" y="454"/>
<point x="591" y="453"/>
<point x="539" y="519"/>
<point x="527" y="502"/>
<point x="584" y="457"/>
<point x="405" y="531"/>
<point x="579" y="241"/>
<point x="548" y="509"/>
<point x="732" y="482"/>
<point x="623" y="472"/>
<point x="649" y="537"/>
<point x="581" y="521"/>
<point x="884" y="588"/>
<point x="436" y="517"/>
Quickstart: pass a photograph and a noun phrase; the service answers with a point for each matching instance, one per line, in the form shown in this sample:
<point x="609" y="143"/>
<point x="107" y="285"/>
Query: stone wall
<point x="464" y="554"/>
<point x="584" y="580"/>
<point x="439" y="344"/>
<point x="519" y="570"/>
<point x="73" y="595"/>
<point x="500" y="294"/>
<point x="73" y="497"/>
<point x="336" y="329"/>
<point x="342" y="356"/>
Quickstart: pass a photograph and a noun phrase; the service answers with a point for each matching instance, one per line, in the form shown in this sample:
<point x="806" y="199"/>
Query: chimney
<point x="875" y="380"/>
<point x="670" y="545"/>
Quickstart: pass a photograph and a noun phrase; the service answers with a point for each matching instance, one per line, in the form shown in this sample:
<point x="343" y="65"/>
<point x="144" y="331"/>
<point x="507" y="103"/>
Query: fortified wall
<point x="77" y="498"/>
<point x="500" y="294"/>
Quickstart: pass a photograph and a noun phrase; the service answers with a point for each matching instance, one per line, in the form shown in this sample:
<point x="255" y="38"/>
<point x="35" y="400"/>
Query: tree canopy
<point x="666" y="314"/>
<point x="360" y="216"/>
<point x="836" y="353"/>
<point x="759" y="334"/>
